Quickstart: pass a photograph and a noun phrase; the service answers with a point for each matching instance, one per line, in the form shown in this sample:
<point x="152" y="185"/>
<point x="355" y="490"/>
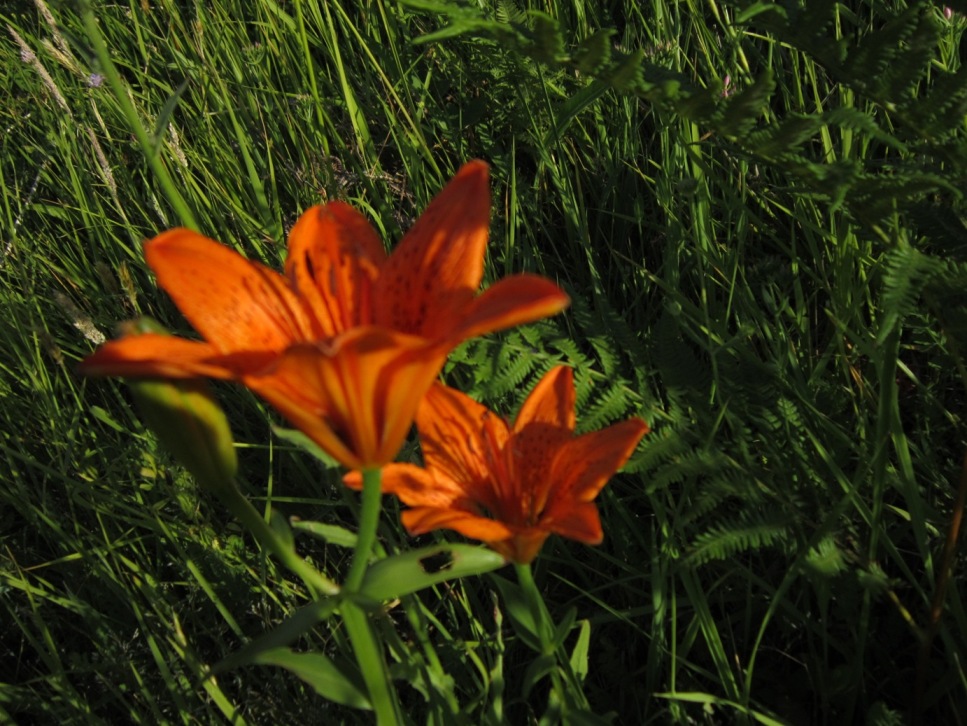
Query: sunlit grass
<point x="772" y="550"/>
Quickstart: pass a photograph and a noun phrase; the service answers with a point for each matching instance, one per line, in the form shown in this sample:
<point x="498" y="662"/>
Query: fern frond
<point x="906" y="272"/>
<point x="613" y="404"/>
<point x="751" y="530"/>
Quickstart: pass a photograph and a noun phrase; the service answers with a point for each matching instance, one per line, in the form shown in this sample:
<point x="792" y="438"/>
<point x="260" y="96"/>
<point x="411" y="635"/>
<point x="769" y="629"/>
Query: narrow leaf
<point x="411" y="571"/>
<point x="331" y="533"/>
<point x="539" y="668"/>
<point x="301" y="621"/>
<point x="563" y="628"/>
<point x="278" y="522"/>
<point x="300" y="440"/>
<point x="165" y="116"/>
<point x="519" y="612"/>
<point x="320" y="672"/>
<point x="579" y="656"/>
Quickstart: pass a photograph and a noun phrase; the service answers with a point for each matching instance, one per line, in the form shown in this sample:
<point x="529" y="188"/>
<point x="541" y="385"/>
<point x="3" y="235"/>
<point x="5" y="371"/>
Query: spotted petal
<point x="551" y="402"/>
<point x="435" y="270"/>
<point x="333" y="262"/>
<point x="234" y="303"/>
<point x="508" y="302"/>
<point x="584" y="466"/>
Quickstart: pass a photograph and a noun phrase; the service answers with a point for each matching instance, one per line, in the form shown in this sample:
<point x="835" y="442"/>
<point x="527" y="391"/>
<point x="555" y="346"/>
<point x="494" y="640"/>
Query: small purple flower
<point x="727" y="86"/>
<point x="948" y="12"/>
<point x="95" y="80"/>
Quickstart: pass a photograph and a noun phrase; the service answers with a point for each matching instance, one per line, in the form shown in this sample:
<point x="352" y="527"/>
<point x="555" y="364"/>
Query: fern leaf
<point x="743" y="109"/>
<point x="750" y="531"/>
<point x="611" y="405"/>
<point x="594" y="52"/>
<point x="907" y="272"/>
<point x="626" y="76"/>
<point x="547" y="45"/>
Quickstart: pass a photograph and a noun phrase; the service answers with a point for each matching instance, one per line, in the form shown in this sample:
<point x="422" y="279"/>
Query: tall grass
<point x="774" y="551"/>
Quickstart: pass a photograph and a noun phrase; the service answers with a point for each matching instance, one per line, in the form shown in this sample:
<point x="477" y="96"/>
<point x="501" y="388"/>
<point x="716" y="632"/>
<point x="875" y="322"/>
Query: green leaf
<point x="411" y="571"/>
<point x="280" y="525"/>
<point x="165" y="116"/>
<point x="579" y="656"/>
<point x="564" y="627"/>
<point x="547" y="44"/>
<point x="569" y="110"/>
<point x="625" y="75"/>
<point x="320" y="672"/>
<point x="105" y="418"/>
<point x="787" y="136"/>
<point x="743" y="108"/>
<point x="539" y="668"/>
<point x="825" y="560"/>
<point x="301" y="621"/>
<point x="519" y="612"/>
<point x="300" y="440"/>
<point x="708" y="699"/>
<point x="332" y="534"/>
<point x="748" y="13"/>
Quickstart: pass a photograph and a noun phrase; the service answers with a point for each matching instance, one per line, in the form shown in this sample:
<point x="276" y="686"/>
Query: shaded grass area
<point x="773" y="549"/>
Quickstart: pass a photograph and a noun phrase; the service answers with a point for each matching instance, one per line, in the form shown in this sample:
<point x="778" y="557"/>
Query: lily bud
<point x="188" y="421"/>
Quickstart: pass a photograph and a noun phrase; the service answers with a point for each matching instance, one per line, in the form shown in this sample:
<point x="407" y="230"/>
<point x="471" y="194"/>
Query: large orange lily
<point x="509" y="486"/>
<point x="348" y="341"/>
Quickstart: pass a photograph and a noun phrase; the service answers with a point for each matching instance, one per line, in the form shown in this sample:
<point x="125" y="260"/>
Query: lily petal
<point x="333" y="262"/>
<point x="508" y="302"/>
<point x="584" y="466"/>
<point x="362" y="391"/>
<point x="415" y="487"/>
<point x="234" y="303"/>
<point x="551" y="401"/>
<point x="523" y="546"/>
<point x="457" y="443"/>
<point x="421" y="520"/>
<point x="530" y="456"/>
<point x="534" y="480"/>
<point x="163" y="356"/>
<point x="575" y="520"/>
<point x="435" y="270"/>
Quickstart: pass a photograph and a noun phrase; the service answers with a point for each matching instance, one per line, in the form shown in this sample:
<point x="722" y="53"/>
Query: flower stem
<point x="366" y="534"/>
<point x="131" y="115"/>
<point x="369" y="652"/>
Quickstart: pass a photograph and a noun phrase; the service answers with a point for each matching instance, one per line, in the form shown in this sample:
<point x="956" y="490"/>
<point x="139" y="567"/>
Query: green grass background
<point x="787" y="318"/>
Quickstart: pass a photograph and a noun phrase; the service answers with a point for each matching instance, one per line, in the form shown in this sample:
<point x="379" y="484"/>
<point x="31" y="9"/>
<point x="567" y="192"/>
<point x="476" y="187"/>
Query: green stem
<point x="369" y="653"/>
<point x="366" y="534"/>
<point x="131" y="114"/>
<point x="241" y="507"/>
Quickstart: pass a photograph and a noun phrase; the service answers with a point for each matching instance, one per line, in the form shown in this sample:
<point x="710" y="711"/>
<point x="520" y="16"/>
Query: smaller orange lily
<point x="348" y="340"/>
<point x="509" y="486"/>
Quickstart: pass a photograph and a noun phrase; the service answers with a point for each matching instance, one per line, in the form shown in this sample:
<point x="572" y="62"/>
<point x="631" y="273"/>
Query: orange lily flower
<point x="509" y="486"/>
<point x="348" y="341"/>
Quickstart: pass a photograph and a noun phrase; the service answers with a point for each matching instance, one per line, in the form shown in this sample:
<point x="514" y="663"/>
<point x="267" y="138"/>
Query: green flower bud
<point x="188" y="421"/>
<point x="192" y="426"/>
